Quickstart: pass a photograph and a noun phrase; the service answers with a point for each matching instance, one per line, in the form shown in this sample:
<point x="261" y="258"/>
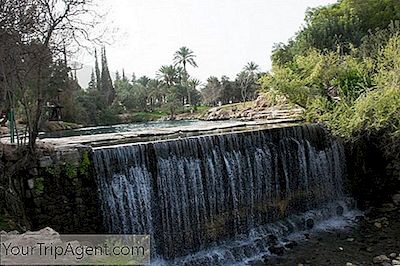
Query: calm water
<point x="135" y="127"/>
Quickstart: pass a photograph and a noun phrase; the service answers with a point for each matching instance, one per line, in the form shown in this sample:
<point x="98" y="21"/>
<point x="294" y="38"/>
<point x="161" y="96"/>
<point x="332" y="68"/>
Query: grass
<point x="238" y="106"/>
<point x="146" y="116"/>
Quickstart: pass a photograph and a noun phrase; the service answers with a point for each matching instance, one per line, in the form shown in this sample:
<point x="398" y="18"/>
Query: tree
<point x="97" y="69"/>
<point x="106" y="88"/>
<point x="182" y="57"/>
<point x="230" y="91"/>
<point x="37" y="33"/>
<point x="251" y="67"/>
<point x="169" y="74"/>
<point x="156" y="90"/>
<point x="342" y="25"/>
<point x="247" y="81"/>
<point x="211" y="93"/>
<point x="194" y="94"/>
<point x="92" y="83"/>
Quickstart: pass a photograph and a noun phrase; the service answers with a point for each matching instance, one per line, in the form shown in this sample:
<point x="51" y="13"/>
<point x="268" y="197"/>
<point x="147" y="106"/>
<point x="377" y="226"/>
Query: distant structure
<point x="55" y="109"/>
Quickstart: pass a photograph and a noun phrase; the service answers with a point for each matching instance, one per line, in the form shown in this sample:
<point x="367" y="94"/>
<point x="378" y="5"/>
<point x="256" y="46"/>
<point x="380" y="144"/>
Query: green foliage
<point x="108" y="116"/>
<point x="84" y="165"/>
<point x="372" y="109"/>
<point x="146" y="116"/>
<point x="71" y="170"/>
<point x="343" y="24"/>
<point x="377" y="110"/>
<point x="351" y="84"/>
<point x="39" y="185"/>
<point x="243" y="88"/>
<point x="318" y="74"/>
<point x="53" y="170"/>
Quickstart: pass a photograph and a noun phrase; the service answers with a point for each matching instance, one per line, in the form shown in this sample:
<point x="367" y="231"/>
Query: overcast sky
<point x="224" y="34"/>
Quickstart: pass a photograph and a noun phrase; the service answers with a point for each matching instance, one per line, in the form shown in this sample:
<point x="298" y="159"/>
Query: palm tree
<point x="251" y="67"/>
<point x="169" y="74"/>
<point x="247" y="79"/>
<point x="182" y="57"/>
<point x="194" y="83"/>
<point x="156" y="91"/>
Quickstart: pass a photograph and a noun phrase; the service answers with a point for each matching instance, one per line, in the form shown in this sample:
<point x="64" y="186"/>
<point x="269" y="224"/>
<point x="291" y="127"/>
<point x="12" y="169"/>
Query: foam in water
<point x="193" y="194"/>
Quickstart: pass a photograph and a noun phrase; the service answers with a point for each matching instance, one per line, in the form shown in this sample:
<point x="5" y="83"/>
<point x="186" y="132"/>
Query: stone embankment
<point x="261" y="108"/>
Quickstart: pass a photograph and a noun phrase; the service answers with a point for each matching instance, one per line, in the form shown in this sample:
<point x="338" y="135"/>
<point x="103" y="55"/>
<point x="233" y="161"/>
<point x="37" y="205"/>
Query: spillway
<point x="195" y="193"/>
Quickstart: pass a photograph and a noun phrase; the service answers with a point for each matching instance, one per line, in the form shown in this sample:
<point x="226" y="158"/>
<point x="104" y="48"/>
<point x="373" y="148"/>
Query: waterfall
<point x="192" y="193"/>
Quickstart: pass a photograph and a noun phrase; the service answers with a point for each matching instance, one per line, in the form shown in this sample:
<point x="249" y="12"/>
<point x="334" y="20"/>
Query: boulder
<point x="380" y="259"/>
<point x="45" y="161"/>
<point x="396" y="199"/>
<point x="277" y="250"/>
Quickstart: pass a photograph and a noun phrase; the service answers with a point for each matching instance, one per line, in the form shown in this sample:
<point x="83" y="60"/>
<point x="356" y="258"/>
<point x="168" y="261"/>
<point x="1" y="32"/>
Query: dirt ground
<point x="376" y="234"/>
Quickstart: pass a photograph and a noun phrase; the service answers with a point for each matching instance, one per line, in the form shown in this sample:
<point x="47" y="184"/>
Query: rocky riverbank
<point x="262" y="108"/>
<point x="374" y="240"/>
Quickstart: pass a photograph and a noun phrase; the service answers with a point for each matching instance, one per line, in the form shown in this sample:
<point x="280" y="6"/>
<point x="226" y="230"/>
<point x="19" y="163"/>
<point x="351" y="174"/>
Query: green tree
<point x="92" y="83"/>
<point x="183" y="57"/>
<point x="97" y="71"/>
<point x="211" y="93"/>
<point x="169" y="74"/>
<point x="247" y="81"/>
<point x="106" y="86"/>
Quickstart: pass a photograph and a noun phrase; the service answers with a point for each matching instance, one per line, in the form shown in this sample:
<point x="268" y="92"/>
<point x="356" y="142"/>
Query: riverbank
<point x="375" y="240"/>
<point x="263" y="108"/>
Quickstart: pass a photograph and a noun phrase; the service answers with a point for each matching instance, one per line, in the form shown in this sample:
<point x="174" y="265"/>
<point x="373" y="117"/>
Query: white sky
<point x="224" y="34"/>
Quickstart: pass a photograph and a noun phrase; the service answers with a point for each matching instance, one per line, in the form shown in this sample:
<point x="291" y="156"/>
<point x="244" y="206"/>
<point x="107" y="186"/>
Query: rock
<point x="380" y="259"/>
<point x="291" y="244"/>
<point x="341" y="249"/>
<point x="277" y="250"/>
<point x="396" y="199"/>
<point x="386" y="264"/>
<point x="349" y="264"/>
<point x="310" y="223"/>
<point x="350" y="239"/>
<point x="339" y="210"/>
<point x="272" y="239"/>
<point x="392" y="255"/>
<point x="265" y="258"/>
<point x="2" y="232"/>
<point x="34" y="172"/>
<point x="395" y="262"/>
<point x="45" y="161"/>
<point x="378" y="225"/>
<point x="360" y="218"/>
<point x="14" y="232"/>
<point x="31" y="183"/>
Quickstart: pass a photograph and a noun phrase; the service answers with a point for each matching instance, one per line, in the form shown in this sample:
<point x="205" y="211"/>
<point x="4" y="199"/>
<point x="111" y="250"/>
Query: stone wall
<point x="373" y="165"/>
<point x="58" y="190"/>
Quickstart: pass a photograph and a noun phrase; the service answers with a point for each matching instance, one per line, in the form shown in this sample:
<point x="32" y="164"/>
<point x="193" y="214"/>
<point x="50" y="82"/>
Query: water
<point x="206" y="193"/>
<point x="134" y="127"/>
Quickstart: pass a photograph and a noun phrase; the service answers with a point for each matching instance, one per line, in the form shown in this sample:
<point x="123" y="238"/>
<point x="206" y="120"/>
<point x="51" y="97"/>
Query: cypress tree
<point x="106" y="88"/>
<point x="92" y="82"/>
<point x="98" y="78"/>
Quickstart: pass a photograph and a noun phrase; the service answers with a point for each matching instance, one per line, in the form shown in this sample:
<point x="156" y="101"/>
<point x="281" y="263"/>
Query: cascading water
<point x="195" y="193"/>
